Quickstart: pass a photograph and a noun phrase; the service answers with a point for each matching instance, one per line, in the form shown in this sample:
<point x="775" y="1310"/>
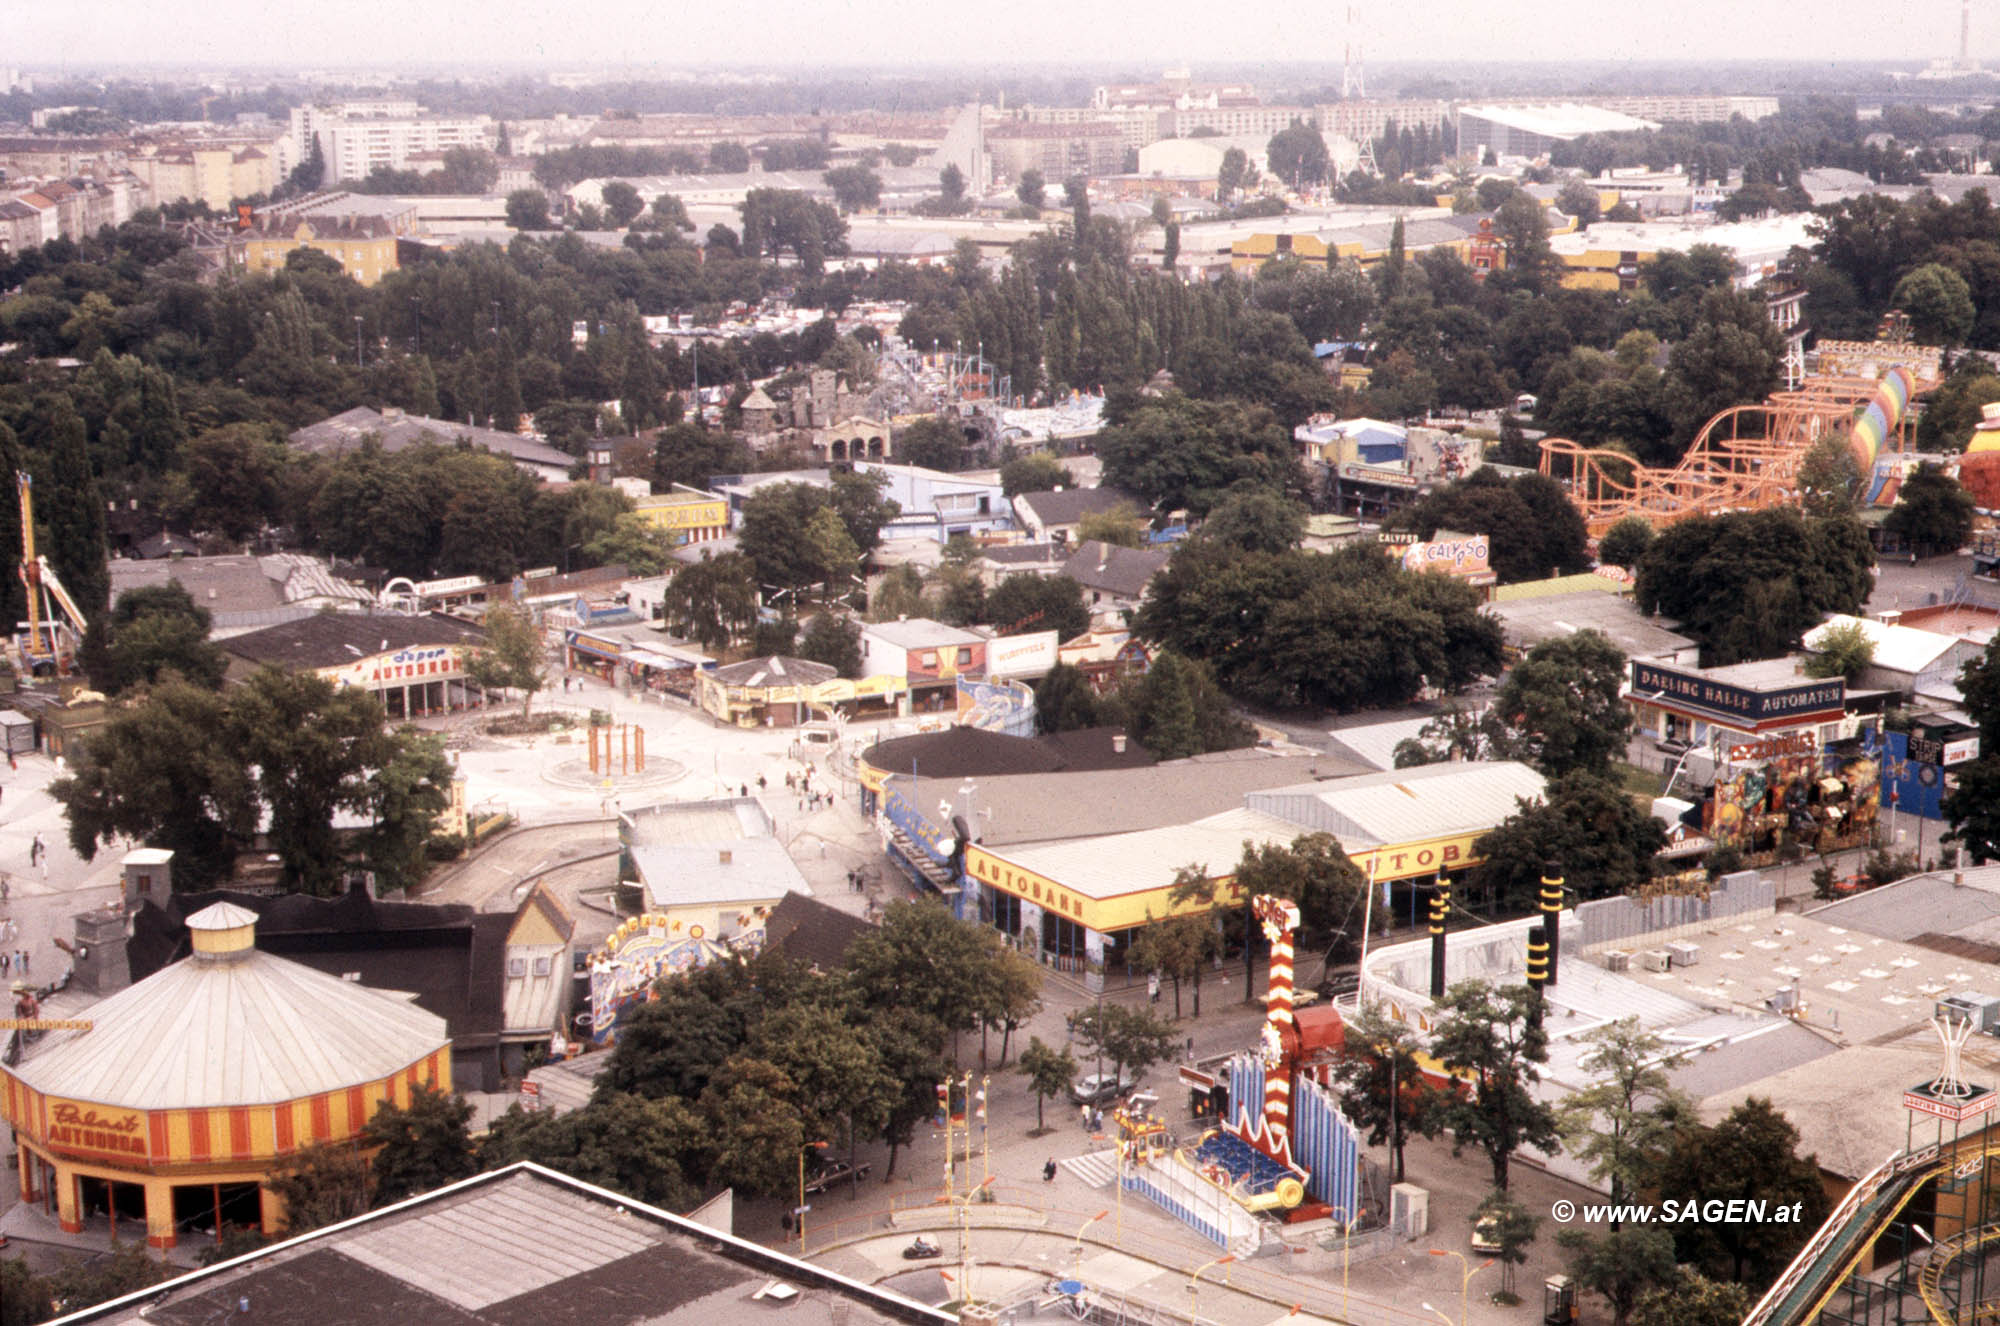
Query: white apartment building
<point x="382" y="134"/>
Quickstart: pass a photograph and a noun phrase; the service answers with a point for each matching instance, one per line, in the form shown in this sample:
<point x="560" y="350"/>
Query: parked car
<point x="835" y="1172"/>
<point x="1100" y="1088"/>
<point x="1485" y="1232"/>
<point x="1340" y="982"/>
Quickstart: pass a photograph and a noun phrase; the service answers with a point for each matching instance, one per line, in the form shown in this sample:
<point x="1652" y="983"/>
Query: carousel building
<point x="176" y="1099"/>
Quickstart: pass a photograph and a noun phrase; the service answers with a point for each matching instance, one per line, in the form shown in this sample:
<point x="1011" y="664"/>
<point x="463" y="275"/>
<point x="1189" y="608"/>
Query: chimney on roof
<point x="1117" y="743"/>
<point x="724" y="857"/>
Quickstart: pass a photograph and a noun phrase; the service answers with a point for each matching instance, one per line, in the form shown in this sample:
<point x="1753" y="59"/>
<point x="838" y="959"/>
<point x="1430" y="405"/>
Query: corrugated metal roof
<point x="1119" y="863"/>
<point x="1406" y="805"/>
<point x="1897" y="648"/>
<point x="251" y="1029"/>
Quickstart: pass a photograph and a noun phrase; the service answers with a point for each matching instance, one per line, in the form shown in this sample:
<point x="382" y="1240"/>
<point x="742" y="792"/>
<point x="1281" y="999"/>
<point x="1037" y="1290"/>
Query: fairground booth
<point x="173" y="1102"/>
<point x="1781" y="759"/>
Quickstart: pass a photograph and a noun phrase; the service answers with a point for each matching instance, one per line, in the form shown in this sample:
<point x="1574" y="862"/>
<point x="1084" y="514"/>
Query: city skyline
<point x="624" y="34"/>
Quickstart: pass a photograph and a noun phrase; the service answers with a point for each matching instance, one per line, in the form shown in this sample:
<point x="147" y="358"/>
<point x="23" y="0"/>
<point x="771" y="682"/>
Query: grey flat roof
<point x="755" y="870"/>
<point x="1528" y="622"/>
<point x="1049" y="807"/>
<point x="1920" y="905"/>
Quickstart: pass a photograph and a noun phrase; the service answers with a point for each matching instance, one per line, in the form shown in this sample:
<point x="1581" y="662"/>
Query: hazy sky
<point x="83" y="33"/>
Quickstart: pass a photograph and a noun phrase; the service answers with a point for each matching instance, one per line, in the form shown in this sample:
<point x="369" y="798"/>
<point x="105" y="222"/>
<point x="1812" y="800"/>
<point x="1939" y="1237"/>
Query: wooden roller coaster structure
<point x="1744" y="459"/>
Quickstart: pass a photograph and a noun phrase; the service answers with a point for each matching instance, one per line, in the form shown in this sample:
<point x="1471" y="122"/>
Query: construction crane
<point x="50" y="642"/>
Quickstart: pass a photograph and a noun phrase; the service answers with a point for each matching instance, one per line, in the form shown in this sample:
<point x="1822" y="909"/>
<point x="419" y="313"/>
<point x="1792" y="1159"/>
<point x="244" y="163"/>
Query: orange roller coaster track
<point x="1744" y="459"/>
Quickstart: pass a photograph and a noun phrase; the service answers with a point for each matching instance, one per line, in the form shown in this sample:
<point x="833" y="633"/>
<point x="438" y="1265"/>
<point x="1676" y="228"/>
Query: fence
<point x="1610" y="921"/>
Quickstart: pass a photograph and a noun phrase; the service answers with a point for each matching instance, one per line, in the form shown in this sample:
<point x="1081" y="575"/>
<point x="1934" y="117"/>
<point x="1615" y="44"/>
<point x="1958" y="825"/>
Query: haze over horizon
<point x="877" y="33"/>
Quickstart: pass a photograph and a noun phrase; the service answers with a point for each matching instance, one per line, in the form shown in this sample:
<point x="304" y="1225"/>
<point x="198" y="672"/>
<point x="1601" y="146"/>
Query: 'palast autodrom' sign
<point x="1739" y="706"/>
<point x="97" y="1130"/>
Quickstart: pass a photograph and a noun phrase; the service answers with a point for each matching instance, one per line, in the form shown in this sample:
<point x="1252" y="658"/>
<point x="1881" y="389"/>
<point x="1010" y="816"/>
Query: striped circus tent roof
<point x="231" y="1026"/>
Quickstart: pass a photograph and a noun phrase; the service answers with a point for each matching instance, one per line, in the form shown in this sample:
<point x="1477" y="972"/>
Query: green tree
<point x="854" y="187"/>
<point x="512" y="658"/>
<point x="1830" y="478"/>
<point x="714" y="601"/>
<point x="858" y="501"/>
<point x="1381" y="1086"/>
<point x="237" y="474"/>
<point x="1023" y="603"/>
<point x="1749" y="584"/>
<point x="1509" y="1225"/>
<point x="1049" y="1073"/>
<point x="1314" y="871"/>
<point x="326" y="1182"/>
<point x="634" y="542"/>
<point x="756" y="1131"/>
<point x="1933" y="512"/>
<point x="1619" y="1125"/>
<point x="1577" y="199"/>
<point x="1938" y="302"/>
<point x="1625" y="542"/>
<point x="1256" y="518"/>
<point x="1487" y="1035"/>
<point x="1692" y="1299"/>
<point x="84" y="1282"/>
<point x="1605" y="841"/>
<point x="1234" y="175"/>
<point x="1751" y="1153"/>
<point x="835" y="641"/>
<point x="1128" y="1038"/>
<point x="1731" y="357"/>
<point x="1564" y="705"/>
<point x="1065" y="700"/>
<point x="157" y="772"/>
<point x="1175" y="710"/>
<point x="1621" y="1265"/>
<point x="1973" y="807"/>
<point x="25" y="1298"/>
<point x="932" y="442"/>
<point x="1954" y="409"/>
<point x="157" y="629"/>
<point x="419" y="1147"/>
<point x="1036" y="472"/>
<point x="1031" y="189"/>
<point x="620" y="1141"/>
<point x="1297" y="155"/>
<point x="315" y="748"/>
<point x="622" y="203"/>
<point x="72" y="511"/>
<point x="1841" y="651"/>
<point x="924" y="959"/>
<point x="1533" y="528"/>
<point x="528" y="209"/>
<point x="1179" y="947"/>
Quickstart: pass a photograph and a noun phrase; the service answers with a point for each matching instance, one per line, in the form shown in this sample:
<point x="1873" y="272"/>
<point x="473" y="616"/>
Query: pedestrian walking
<point x="1083" y="1116"/>
<point x="6" y="963"/>
<point x="25" y="964"/>
<point x="760" y="782"/>
<point x="1049" y="1171"/>
<point x="1153" y="987"/>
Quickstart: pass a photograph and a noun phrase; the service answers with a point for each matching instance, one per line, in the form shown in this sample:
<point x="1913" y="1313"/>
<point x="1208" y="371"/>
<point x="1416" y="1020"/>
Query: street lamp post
<point x="357" y="340"/>
<point x="800" y="1214"/>
<point x="964" y="1205"/>
<point x="1464" y="1280"/>
<point x="1194" y="1284"/>
<point x="1076" y="1259"/>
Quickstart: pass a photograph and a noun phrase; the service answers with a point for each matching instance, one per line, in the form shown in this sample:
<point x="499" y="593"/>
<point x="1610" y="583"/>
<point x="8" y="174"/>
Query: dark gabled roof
<point x="1069" y="505"/>
<point x="1018" y="554"/>
<point x="968" y="752"/>
<point x="1122" y="571"/>
<point x="810" y="931"/>
<point x="446" y="954"/>
<point x="328" y="639"/>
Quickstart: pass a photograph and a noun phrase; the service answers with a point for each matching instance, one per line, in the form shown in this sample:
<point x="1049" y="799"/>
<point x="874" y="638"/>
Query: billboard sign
<point x="1029" y="655"/>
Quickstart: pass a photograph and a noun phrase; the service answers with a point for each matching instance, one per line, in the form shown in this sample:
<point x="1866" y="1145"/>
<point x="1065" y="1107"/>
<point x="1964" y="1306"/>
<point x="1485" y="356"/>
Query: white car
<point x="1100" y="1088"/>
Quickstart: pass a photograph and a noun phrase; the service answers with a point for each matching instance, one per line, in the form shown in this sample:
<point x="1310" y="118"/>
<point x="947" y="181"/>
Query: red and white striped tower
<point x="1280" y="919"/>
